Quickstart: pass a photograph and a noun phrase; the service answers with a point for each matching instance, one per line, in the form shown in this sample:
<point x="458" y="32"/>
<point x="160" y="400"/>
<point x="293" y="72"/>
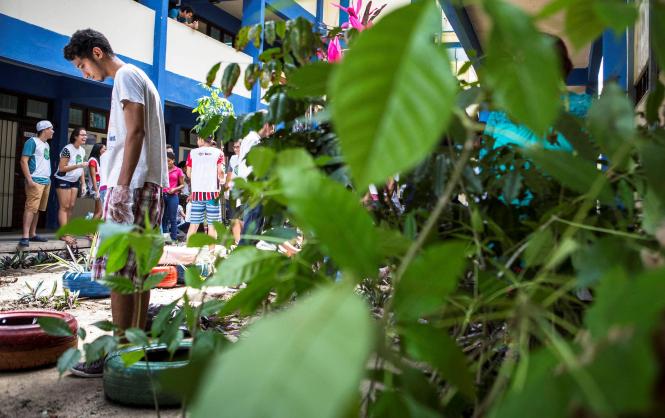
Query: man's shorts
<point x="64" y="184"/>
<point x="205" y="211"/>
<point x="36" y="197"/>
<point x="147" y="200"/>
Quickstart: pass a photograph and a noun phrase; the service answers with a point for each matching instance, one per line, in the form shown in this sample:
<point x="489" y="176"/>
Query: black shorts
<point x="64" y="184"/>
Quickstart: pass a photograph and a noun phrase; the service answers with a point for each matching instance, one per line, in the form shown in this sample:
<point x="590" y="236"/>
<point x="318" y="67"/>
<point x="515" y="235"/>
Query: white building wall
<point x="191" y="54"/>
<point x="128" y="25"/>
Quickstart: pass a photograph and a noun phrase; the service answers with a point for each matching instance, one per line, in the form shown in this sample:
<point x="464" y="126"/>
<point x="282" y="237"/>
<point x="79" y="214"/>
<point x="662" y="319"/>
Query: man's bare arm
<point x="134" y="120"/>
<point x="25" y="169"/>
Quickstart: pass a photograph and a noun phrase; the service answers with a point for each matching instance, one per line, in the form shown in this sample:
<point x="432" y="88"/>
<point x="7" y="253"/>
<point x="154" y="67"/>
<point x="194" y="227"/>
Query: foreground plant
<point x="483" y="307"/>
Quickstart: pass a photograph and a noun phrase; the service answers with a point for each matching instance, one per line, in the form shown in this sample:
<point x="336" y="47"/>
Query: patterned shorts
<point x="207" y="211"/>
<point x="147" y="200"/>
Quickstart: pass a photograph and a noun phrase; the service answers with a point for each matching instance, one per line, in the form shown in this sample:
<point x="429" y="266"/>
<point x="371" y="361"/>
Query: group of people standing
<point x="68" y="180"/>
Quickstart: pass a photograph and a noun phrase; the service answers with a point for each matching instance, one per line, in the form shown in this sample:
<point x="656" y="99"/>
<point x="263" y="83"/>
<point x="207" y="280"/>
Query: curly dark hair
<point x="82" y="43"/>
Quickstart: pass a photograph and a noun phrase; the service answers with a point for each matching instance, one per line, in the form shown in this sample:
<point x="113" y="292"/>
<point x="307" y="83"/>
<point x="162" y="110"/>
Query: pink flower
<point x="334" y="50"/>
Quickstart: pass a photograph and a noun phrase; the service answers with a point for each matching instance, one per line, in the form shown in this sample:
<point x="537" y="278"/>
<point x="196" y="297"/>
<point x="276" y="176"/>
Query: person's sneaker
<point x="24" y="242"/>
<point x="37" y="238"/>
<point x="94" y="369"/>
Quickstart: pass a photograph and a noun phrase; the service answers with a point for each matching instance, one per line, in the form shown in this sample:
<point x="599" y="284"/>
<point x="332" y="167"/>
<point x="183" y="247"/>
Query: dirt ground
<point x="40" y="393"/>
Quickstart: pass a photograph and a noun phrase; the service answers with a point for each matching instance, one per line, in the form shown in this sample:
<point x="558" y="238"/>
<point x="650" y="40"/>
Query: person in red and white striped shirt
<point x="205" y="168"/>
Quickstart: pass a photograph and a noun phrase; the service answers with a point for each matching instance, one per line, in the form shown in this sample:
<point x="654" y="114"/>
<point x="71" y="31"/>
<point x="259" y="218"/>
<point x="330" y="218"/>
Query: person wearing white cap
<point x="36" y="168"/>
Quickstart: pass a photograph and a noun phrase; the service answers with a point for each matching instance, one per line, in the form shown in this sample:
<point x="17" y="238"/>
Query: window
<point x="75" y="116"/>
<point x="187" y="138"/>
<point x="215" y="33"/>
<point x="8" y="103"/>
<point x="97" y="120"/>
<point x="37" y="109"/>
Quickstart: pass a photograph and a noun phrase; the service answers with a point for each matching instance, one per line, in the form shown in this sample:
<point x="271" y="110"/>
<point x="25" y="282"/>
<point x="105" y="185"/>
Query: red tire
<point x="23" y="344"/>
<point x="171" y="278"/>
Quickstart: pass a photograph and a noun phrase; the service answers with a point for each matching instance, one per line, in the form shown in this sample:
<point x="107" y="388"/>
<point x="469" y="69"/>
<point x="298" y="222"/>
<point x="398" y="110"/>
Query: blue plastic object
<point x="83" y="283"/>
<point x="203" y="268"/>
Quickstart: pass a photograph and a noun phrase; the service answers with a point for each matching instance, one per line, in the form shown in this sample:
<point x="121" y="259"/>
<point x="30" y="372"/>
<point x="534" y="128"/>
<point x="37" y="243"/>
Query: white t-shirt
<point x="103" y="164"/>
<point x="204" y="161"/>
<point x="246" y="145"/>
<point x="131" y="84"/>
<point x="76" y="156"/>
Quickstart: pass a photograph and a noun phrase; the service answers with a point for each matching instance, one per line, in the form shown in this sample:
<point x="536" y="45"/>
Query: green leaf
<point x="193" y="277"/>
<point x="652" y="157"/>
<point x="243" y="265"/>
<point x="68" y="359"/>
<point x="310" y="80"/>
<point x="279" y="235"/>
<point x="590" y="271"/>
<point x="99" y="348"/>
<point x="230" y="78"/>
<point x="54" y="326"/>
<point x="79" y="226"/>
<point x="261" y="159"/>
<point x="318" y="347"/>
<point x="81" y="333"/>
<point x="280" y="28"/>
<point x="137" y="337"/>
<point x="105" y="325"/>
<point x="120" y="285"/>
<point x="162" y="318"/>
<point x="117" y="254"/>
<point x="435" y="347"/>
<point x="199" y="240"/>
<point x="538" y="247"/>
<point x="410" y="226"/>
<point x="657" y="16"/>
<point x="428" y="281"/>
<point x="212" y="74"/>
<point x="521" y="67"/>
<point x="611" y="120"/>
<point x="654" y="103"/>
<point x="571" y="128"/>
<point x="131" y="357"/>
<point x="254" y="34"/>
<point x="392" y="94"/>
<point x="352" y="247"/>
<point x="545" y="393"/>
<point x="242" y="38"/>
<point x="210" y="127"/>
<point x="512" y="184"/>
<point x="269" y="32"/>
<point x="153" y="280"/>
<point x="571" y="171"/>
<point x="251" y="73"/>
<point x="392" y="243"/>
<point x="302" y="39"/>
<point x="615" y="14"/>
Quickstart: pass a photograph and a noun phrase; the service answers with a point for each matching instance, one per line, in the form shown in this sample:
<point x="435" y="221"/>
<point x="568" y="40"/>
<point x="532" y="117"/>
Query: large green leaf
<point x="243" y="265"/>
<point x="657" y="34"/>
<point x="521" y="67"/>
<point x="310" y="80"/>
<point x="54" y="326"/>
<point x="428" y="280"/>
<point x="393" y="94"/>
<point x="305" y="362"/>
<point x="587" y="19"/>
<point x="332" y="213"/>
<point x="612" y="120"/>
<point x="571" y="171"/>
<point x="436" y="347"/>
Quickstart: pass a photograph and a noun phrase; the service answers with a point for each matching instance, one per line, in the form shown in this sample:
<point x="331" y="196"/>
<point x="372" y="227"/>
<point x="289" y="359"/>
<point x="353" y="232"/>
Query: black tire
<point x="133" y="386"/>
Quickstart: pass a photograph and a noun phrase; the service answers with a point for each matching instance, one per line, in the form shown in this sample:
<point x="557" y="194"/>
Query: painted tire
<point x="24" y="345"/>
<point x="132" y="385"/>
<point x="171" y="278"/>
<point x="83" y="283"/>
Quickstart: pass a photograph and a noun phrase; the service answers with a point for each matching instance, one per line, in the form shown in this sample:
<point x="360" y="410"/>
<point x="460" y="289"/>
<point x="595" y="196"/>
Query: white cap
<point x="43" y="124"/>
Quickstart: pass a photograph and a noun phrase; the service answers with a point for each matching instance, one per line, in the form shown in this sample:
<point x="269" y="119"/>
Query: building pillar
<point x="319" y="14"/>
<point x="254" y="12"/>
<point x="615" y="58"/>
<point x="60" y="139"/>
<point x="174" y="135"/>
<point x="161" y="8"/>
<point x="343" y="16"/>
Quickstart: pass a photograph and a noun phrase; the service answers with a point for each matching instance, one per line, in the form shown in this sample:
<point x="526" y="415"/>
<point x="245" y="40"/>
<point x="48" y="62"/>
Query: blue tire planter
<point x="83" y="283"/>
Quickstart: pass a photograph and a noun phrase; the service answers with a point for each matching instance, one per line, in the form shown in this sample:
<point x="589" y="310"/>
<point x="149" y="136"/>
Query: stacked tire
<point x="23" y="343"/>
